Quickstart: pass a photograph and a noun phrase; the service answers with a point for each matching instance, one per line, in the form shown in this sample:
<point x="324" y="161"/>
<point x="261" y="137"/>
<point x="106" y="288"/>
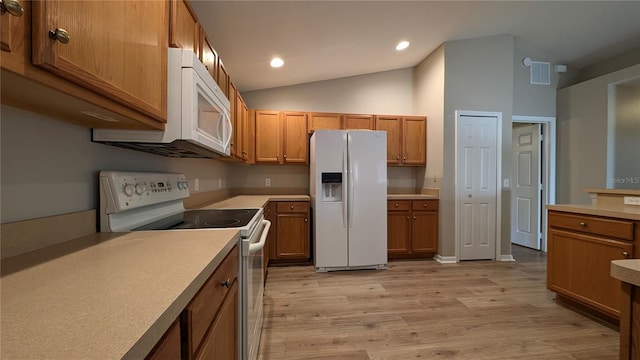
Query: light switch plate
<point x="505" y="183"/>
<point x="632" y="200"/>
<point x="267" y="181"/>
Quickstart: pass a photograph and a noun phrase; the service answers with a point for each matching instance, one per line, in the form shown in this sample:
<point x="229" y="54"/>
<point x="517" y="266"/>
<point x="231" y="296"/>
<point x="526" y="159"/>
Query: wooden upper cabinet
<point x="392" y="125"/>
<point x="10" y="23"/>
<point x="114" y="48"/>
<point x="184" y="28"/>
<point x="208" y="55"/>
<point x="223" y="78"/>
<point x="355" y="122"/>
<point x="295" y="144"/>
<point x="323" y="121"/>
<point x="414" y="140"/>
<point x="267" y="136"/>
<point x="240" y="129"/>
<point x="234" y="119"/>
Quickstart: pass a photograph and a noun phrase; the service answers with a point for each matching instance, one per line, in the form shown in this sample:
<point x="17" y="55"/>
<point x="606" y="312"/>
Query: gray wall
<point x="626" y="137"/>
<point x="582" y="127"/>
<point x="51" y="167"/>
<point x="479" y="77"/>
<point x="532" y="100"/>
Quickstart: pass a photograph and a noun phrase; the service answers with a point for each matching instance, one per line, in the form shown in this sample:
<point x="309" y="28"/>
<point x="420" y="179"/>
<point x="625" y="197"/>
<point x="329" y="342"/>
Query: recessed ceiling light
<point x="277" y="62"/>
<point x="402" y="45"/>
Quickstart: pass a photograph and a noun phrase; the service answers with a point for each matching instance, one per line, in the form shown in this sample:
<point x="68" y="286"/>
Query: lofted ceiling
<point x="321" y="40"/>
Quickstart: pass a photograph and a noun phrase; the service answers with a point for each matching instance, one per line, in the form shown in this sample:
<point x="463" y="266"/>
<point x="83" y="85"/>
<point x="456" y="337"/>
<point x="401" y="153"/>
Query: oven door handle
<point x="263" y="238"/>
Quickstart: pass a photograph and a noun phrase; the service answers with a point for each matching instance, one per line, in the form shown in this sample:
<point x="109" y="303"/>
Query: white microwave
<point x="198" y="118"/>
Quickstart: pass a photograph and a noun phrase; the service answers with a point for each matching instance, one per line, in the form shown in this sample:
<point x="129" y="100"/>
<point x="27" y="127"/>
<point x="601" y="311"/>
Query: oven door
<point x="253" y="290"/>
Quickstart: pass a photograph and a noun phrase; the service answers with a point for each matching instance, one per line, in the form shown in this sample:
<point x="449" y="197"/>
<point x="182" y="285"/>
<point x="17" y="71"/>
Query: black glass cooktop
<point x="203" y="219"/>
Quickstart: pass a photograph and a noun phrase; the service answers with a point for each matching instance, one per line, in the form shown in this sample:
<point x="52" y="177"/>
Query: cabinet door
<point x="208" y="55"/>
<point x="292" y="236"/>
<point x="270" y="246"/>
<point x="240" y="129"/>
<point x="391" y="124"/>
<point x="11" y="29"/>
<point x="115" y="48"/>
<point x="234" y="119"/>
<point x="325" y="121"/>
<point x="267" y="136"/>
<point x="250" y="135"/>
<point x="424" y="232"/>
<point x="295" y="144"/>
<point x="168" y="348"/>
<point x="398" y="232"/>
<point x="414" y="140"/>
<point x="223" y="78"/>
<point x="184" y="28"/>
<point x="222" y="340"/>
<point x="578" y="266"/>
<point x="351" y="121"/>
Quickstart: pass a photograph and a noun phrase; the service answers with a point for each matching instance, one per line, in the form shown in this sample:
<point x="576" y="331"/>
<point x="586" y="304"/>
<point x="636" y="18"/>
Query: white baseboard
<point x="445" y="259"/>
<point x="506" y="258"/>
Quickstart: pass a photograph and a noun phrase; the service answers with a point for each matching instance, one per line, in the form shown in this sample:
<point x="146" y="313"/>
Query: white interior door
<point x="476" y="164"/>
<point x="525" y="196"/>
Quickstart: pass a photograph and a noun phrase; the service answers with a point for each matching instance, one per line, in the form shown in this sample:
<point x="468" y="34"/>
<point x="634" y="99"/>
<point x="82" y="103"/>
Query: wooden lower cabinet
<point x="222" y="340"/>
<point x="579" y="260"/>
<point x="291" y="230"/>
<point x="168" y="348"/>
<point x="412" y="228"/>
<point x="630" y="322"/>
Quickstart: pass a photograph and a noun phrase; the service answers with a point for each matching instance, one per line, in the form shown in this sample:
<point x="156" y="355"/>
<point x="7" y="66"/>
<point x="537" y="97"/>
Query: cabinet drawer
<point x="292" y="206"/>
<point x="592" y="225"/>
<point x="398" y="205"/>
<point x="205" y="304"/>
<point x="424" y="204"/>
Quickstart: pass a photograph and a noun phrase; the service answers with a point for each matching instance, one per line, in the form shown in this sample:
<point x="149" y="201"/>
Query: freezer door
<point x="367" y="197"/>
<point x="329" y="155"/>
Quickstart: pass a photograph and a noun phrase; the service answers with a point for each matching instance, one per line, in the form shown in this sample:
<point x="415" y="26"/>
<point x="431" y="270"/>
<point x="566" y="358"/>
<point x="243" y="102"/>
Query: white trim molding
<point x="445" y="259"/>
<point x="508" y="257"/>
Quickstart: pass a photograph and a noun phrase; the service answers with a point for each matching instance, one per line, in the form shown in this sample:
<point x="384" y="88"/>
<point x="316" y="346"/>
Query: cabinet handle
<point x="12" y="7"/>
<point x="625" y="254"/>
<point x="397" y="205"/>
<point x="397" y="157"/>
<point x="404" y="158"/>
<point x="583" y="224"/>
<point x="59" y="34"/>
<point x="407" y="218"/>
<point x="244" y="152"/>
<point x="305" y="219"/>
<point x="284" y="156"/>
<point x="226" y="283"/>
<point x="291" y="207"/>
<point x="425" y="205"/>
<point x="414" y="218"/>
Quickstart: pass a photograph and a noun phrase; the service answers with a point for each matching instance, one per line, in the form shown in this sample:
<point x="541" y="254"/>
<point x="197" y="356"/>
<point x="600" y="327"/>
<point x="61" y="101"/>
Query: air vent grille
<point x="540" y="73"/>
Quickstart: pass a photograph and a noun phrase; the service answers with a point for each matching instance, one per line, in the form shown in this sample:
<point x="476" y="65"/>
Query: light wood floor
<point x="421" y="309"/>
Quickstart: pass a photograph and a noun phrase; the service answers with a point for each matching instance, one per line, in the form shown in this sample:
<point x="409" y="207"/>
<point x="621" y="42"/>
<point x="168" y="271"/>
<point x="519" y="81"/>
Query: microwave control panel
<point x="120" y="191"/>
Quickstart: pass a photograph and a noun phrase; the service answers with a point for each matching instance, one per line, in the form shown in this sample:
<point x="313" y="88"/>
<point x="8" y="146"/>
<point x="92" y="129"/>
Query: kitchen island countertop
<point x="627" y="270"/>
<point x="629" y="212"/>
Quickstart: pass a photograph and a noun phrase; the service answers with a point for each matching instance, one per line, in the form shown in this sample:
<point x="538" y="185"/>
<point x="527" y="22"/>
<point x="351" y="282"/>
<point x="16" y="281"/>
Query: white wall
<point x="51" y="167"/>
<point x="583" y="110"/>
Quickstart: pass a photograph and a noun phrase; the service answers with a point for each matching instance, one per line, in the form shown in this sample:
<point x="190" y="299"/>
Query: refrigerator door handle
<point x="344" y="188"/>
<point x="351" y="181"/>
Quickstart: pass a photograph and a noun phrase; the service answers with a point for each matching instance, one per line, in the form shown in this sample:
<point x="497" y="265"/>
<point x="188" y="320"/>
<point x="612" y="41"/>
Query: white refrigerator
<point x="348" y="186"/>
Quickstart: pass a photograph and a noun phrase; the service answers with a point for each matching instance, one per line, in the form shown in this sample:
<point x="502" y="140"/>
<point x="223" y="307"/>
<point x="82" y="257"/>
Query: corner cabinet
<point x="412" y="228"/>
<point x="281" y="137"/>
<point x="406" y="139"/>
<point x="115" y="48"/>
<point x="580" y="250"/>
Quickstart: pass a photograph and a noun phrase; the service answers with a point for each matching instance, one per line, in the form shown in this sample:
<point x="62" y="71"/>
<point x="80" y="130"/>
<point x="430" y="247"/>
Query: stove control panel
<point x="121" y="191"/>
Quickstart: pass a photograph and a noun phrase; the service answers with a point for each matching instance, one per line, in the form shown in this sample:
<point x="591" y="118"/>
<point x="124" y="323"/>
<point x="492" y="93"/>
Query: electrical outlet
<point x="220" y="183"/>
<point x="505" y="183"/>
<point x="267" y="181"/>
<point x="632" y="200"/>
<point x="196" y="184"/>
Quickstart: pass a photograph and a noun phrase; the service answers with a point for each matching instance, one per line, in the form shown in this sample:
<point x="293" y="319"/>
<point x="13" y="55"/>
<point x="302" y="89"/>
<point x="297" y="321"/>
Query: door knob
<point x="60" y="34"/>
<point x="12" y="7"/>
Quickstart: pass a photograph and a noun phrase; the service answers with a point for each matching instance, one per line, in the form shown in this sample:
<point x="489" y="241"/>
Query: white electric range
<point x="141" y="201"/>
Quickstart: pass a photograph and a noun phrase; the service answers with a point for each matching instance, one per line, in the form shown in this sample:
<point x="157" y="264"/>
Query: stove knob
<point x="140" y="188"/>
<point x="129" y="189"/>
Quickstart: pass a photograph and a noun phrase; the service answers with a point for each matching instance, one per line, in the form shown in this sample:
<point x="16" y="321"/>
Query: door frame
<point x="548" y="164"/>
<point x="498" y="116"/>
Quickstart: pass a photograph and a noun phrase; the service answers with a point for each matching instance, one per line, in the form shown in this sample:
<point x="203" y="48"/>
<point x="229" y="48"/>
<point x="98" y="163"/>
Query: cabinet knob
<point x="414" y="218"/>
<point x="60" y="34"/>
<point x="284" y="156"/>
<point x="12" y="7"/>
<point x="583" y="224"/>
<point x="291" y="207"/>
<point x="305" y="219"/>
<point x="397" y="157"/>
<point x="625" y="254"/>
<point x="404" y="158"/>
<point x="226" y="283"/>
<point x="425" y="205"/>
<point x="407" y="218"/>
<point x="397" y="205"/>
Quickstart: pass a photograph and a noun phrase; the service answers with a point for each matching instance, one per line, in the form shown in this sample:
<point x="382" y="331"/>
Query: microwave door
<point x="205" y="120"/>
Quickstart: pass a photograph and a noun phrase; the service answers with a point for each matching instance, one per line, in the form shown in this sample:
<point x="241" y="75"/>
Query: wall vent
<point x="540" y="73"/>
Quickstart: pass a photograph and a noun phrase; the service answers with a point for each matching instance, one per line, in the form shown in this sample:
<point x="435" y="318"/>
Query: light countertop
<point x="252" y="201"/>
<point x="626" y="270"/>
<point x="104" y="296"/>
<point x="629" y="212"/>
<point x="411" y="197"/>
